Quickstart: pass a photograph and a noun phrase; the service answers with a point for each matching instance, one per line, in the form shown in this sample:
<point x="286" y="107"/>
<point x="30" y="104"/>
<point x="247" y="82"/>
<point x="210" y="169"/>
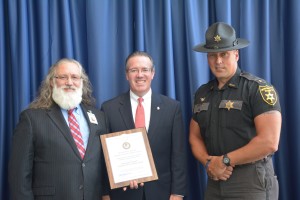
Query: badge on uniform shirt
<point x="229" y="105"/>
<point x="92" y="117"/>
<point x="268" y="94"/>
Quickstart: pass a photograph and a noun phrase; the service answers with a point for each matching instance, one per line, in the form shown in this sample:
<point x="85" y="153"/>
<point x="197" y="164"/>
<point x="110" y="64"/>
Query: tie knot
<point x="70" y="111"/>
<point x="140" y="100"/>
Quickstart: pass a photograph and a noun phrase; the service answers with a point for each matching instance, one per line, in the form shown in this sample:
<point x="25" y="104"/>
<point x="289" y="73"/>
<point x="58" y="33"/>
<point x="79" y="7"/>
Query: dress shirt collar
<point x="146" y="97"/>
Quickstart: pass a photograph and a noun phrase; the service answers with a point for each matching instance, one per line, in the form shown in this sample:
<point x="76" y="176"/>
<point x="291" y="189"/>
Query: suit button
<point x="83" y="165"/>
<point x="80" y="187"/>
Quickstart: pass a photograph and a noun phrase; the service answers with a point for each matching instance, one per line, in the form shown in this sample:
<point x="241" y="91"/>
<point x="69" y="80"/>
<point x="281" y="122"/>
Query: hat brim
<point x="241" y="44"/>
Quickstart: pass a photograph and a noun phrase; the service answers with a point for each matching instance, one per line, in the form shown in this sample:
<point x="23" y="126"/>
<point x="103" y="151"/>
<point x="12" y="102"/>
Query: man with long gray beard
<point x="56" y="152"/>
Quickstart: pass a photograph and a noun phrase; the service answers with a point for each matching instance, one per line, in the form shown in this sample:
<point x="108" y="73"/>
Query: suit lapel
<point x="58" y="118"/>
<point x="126" y="112"/>
<point x="155" y="116"/>
<point x="92" y="128"/>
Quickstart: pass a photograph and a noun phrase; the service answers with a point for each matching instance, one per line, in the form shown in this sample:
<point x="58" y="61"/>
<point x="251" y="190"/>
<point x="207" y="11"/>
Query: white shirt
<point x="146" y="104"/>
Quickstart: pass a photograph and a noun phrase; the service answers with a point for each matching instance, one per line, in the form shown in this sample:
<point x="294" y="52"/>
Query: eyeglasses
<point x="142" y="70"/>
<point x="65" y="78"/>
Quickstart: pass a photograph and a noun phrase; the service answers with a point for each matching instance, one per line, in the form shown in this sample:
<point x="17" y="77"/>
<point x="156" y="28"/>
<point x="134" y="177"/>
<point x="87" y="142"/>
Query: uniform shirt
<point x="226" y="116"/>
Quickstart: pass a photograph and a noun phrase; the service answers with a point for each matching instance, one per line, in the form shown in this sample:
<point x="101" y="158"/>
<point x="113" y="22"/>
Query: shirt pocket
<point x="231" y="113"/>
<point x="202" y="115"/>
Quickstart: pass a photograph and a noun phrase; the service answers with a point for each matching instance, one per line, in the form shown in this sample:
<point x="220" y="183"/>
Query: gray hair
<point x="44" y="98"/>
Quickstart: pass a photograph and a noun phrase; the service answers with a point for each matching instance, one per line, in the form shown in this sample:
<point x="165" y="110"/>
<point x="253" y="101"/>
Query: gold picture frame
<point x="128" y="157"/>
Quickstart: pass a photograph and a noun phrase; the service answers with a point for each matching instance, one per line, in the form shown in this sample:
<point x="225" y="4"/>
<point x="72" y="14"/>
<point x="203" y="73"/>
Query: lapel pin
<point x="92" y="117"/>
<point x="158" y="108"/>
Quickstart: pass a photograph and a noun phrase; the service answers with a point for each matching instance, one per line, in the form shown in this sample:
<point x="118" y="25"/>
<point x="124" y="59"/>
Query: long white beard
<point x="67" y="100"/>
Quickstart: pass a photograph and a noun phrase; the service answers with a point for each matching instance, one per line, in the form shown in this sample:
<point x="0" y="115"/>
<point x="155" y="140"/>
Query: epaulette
<point x="267" y="92"/>
<point x="251" y="77"/>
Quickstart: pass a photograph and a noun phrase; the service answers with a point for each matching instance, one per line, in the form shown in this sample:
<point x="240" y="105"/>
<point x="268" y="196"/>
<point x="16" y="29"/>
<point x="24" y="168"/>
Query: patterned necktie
<point x="140" y="114"/>
<point x="75" y="131"/>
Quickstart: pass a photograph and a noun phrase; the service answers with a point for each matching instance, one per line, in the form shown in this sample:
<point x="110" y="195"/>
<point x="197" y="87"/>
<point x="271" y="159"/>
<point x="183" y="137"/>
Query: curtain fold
<point x="100" y="35"/>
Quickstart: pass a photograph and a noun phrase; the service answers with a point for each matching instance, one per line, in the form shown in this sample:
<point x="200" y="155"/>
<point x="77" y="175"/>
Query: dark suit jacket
<point x="45" y="162"/>
<point x="167" y="142"/>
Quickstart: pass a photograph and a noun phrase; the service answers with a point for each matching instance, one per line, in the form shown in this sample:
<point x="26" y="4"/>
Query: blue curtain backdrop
<point x="101" y="33"/>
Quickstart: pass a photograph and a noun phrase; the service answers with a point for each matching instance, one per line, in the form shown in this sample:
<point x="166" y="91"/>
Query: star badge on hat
<point x="217" y="38"/>
<point x="221" y="37"/>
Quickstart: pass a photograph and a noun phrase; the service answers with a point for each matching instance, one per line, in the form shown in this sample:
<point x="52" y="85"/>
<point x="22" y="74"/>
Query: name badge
<point x="92" y="117"/>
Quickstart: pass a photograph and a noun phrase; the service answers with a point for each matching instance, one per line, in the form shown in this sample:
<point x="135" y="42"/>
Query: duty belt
<point x="265" y="159"/>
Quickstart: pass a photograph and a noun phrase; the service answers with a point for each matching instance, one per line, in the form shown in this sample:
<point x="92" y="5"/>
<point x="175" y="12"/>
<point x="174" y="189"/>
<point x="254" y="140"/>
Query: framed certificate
<point x="128" y="157"/>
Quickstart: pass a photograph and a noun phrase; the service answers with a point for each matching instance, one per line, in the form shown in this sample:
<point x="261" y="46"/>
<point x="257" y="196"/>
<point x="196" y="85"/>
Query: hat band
<point x="234" y="43"/>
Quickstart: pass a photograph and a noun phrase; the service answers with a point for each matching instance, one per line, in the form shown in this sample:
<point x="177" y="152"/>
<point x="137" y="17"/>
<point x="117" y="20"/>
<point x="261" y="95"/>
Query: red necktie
<point x="140" y="114"/>
<point x="75" y="131"/>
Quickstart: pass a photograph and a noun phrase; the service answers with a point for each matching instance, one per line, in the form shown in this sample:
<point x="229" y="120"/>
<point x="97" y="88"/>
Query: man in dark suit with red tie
<point x="56" y="151"/>
<point x="163" y="121"/>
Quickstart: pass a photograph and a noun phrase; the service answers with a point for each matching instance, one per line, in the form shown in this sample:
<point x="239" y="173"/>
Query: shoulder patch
<point x="251" y="77"/>
<point x="268" y="94"/>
